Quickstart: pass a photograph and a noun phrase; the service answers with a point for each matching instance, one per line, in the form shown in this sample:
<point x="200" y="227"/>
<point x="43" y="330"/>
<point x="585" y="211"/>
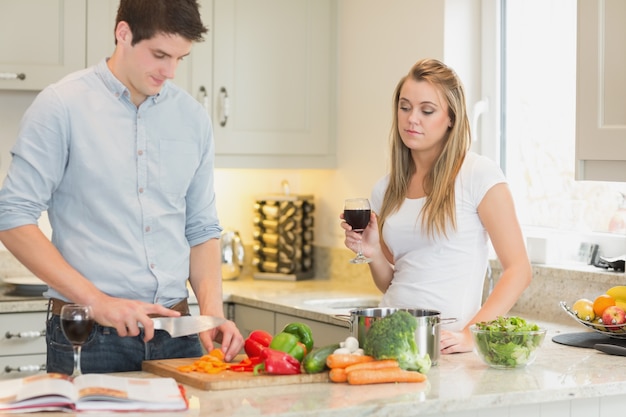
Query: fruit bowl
<point x="507" y="349"/>
<point x="617" y="331"/>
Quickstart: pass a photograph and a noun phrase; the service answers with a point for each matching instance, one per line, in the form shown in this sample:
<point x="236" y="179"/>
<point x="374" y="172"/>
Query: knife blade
<point x="186" y="325"/>
<point x="610" y="349"/>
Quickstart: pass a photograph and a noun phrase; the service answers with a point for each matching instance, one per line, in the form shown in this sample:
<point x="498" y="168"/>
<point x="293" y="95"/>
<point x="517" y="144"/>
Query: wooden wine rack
<point x="283" y="237"/>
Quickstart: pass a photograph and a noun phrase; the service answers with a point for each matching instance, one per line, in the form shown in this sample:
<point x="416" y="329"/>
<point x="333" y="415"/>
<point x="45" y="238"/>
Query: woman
<point x="435" y="211"/>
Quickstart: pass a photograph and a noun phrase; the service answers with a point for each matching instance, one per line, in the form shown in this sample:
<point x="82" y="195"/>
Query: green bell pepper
<point x="288" y="343"/>
<point x="302" y="332"/>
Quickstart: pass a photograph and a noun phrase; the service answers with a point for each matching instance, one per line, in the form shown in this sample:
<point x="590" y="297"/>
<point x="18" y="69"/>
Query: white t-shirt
<point x="445" y="275"/>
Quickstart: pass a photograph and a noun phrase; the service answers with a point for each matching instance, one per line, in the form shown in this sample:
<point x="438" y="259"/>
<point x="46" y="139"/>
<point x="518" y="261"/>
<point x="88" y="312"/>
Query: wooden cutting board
<point x="225" y="380"/>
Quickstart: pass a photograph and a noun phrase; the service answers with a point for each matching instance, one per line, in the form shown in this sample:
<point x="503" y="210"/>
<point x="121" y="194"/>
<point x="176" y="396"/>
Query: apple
<point x="613" y="315"/>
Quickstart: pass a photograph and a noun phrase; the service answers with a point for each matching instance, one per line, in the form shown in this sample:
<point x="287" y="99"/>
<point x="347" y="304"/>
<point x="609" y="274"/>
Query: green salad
<point x="507" y="342"/>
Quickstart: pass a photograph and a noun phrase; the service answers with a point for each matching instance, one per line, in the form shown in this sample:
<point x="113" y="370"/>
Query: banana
<point x="618" y="292"/>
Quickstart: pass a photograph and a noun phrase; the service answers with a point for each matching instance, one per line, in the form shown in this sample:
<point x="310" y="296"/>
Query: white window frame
<point x="544" y="245"/>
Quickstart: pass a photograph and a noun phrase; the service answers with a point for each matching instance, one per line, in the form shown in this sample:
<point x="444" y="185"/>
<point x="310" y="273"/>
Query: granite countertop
<point x="458" y="383"/>
<point x="300" y="298"/>
<point x="10" y="302"/>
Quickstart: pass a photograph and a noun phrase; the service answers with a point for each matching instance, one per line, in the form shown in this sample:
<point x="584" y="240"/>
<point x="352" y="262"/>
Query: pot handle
<point x="345" y="317"/>
<point x="444" y="321"/>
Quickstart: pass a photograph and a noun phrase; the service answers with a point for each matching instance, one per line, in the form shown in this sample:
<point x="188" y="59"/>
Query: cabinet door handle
<point x="203" y="98"/>
<point x="25" y="368"/>
<point x="33" y="334"/>
<point x="224" y="107"/>
<point x="12" y="76"/>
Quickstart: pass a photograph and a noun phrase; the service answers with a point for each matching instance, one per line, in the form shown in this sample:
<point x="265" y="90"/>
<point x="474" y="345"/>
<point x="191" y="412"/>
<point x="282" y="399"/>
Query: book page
<point x="100" y="386"/>
<point x="99" y="391"/>
<point x="37" y="389"/>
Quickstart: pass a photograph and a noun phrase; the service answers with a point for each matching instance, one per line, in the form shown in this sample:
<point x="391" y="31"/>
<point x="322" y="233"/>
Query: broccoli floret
<point x="393" y="337"/>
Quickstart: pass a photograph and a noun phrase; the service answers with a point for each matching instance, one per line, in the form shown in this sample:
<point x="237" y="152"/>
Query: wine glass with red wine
<point x="76" y="323"/>
<point x="356" y="212"/>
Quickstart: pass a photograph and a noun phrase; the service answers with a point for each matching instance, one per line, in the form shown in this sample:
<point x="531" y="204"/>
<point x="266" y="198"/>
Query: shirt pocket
<point x="179" y="161"/>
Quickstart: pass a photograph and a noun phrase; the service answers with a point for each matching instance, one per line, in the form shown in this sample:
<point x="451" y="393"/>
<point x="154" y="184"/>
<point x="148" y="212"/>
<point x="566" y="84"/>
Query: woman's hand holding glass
<point x="356" y="214"/>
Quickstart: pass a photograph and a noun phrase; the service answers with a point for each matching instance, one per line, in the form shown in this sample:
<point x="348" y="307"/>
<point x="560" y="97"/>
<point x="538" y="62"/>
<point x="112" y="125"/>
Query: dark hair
<point x="146" y="18"/>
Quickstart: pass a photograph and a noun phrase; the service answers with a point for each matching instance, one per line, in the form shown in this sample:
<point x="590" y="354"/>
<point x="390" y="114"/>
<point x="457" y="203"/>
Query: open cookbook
<point x="58" y="392"/>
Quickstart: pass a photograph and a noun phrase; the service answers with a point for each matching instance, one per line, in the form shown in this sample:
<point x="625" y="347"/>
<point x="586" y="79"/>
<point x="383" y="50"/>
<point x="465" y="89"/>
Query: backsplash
<point x="551" y="285"/>
<point x="330" y="263"/>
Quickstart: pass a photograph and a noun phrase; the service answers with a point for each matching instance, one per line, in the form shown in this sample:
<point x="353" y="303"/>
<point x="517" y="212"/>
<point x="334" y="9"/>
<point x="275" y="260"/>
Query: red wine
<point x="358" y="218"/>
<point x="77" y="331"/>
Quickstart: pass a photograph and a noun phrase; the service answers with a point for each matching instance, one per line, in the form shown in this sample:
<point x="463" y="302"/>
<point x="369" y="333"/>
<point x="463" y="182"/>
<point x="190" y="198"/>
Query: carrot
<point x="342" y="360"/>
<point x="385" y="375"/>
<point x="338" y="375"/>
<point x="373" y="365"/>
<point x="186" y="368"/>
<point x="211" y="363"/>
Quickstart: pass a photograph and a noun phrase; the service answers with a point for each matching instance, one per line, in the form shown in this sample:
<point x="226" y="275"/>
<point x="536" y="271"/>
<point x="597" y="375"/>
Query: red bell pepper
<point x="277" y="363"/>
<point x="246" y="364"/>
<point x="256" y="342"/>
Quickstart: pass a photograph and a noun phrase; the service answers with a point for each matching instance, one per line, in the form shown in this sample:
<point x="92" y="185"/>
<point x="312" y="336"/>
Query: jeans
<point x="105" y="351"/>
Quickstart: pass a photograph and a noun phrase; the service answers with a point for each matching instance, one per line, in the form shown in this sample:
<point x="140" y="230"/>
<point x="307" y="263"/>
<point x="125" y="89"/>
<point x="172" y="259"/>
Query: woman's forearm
<point x="512" y="283"/>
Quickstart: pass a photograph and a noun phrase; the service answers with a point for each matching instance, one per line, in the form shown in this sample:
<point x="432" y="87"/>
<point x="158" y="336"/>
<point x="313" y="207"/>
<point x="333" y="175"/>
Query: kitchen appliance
<point x="233" y="254"/>
<point x="283" y="236"/>
<point x="426" y="334"/>
<point x="186" y="325"/>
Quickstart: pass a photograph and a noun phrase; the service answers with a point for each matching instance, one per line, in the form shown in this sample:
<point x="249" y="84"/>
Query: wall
<point x="378" y="43"/>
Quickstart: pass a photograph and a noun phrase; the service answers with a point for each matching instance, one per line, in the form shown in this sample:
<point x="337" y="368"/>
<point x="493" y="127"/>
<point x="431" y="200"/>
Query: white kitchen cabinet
<point x="249" y="319"/>
<point x="265" y="72"/>
<point x="22" y="344"/>
<point x="42" y="40"/>
<point x="600" y="91"/>
<point x="101" y="15"/>
<point x="62" y="36"/>
<point x="273" y="83"/>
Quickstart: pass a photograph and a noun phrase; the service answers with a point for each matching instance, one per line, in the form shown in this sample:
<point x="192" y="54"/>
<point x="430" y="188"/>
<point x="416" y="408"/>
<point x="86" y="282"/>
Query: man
<point x="123" y="161"/>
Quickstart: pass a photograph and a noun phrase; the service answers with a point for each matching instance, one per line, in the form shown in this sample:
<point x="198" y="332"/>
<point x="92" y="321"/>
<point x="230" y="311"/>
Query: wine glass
<point x="356" y="212"/>
<point x="76" y="322"/>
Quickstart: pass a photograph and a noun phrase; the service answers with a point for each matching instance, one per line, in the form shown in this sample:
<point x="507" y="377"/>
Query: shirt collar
<point x="116" y="87"/>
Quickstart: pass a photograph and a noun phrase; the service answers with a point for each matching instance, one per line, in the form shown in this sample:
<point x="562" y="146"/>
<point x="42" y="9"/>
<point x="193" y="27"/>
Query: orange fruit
<point x="601" y="303"/>
<point x="584" y="309"/>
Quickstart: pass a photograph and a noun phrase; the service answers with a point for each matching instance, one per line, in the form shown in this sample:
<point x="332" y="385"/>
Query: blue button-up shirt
<point x="128" y="190"/>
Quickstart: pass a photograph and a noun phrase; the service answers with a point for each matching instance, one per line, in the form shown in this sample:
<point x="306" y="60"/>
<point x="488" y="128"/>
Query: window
<point x="538" y="99"/>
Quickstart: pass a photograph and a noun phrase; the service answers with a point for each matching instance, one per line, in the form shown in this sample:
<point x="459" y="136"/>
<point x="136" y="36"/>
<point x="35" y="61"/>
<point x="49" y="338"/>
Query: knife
<point x="610" y="349"/>
<point x="186" y="325"/>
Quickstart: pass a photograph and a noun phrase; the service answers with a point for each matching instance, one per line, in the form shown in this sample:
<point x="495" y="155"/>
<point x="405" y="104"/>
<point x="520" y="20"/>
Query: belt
<point x="55" y="305"/>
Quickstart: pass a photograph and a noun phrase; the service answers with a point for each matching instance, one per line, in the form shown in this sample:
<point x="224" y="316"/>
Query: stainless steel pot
<point x="232" y="254"/>
<point x="426" y="333"/>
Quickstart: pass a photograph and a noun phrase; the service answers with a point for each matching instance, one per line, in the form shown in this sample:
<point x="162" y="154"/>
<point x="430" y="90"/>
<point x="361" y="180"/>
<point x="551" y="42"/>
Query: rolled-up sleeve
<point x="202" y="218"/>
<point x="38" y="158"/>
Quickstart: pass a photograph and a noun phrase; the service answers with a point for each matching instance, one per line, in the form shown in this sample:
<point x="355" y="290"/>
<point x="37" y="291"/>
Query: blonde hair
<point x="439" y="209"/>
